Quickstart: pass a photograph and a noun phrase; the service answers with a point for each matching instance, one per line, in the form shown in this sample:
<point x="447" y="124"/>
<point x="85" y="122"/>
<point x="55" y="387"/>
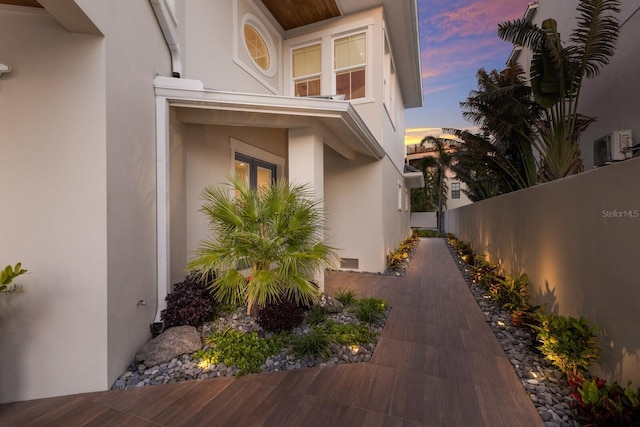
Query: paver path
<point x="437" y="364"/>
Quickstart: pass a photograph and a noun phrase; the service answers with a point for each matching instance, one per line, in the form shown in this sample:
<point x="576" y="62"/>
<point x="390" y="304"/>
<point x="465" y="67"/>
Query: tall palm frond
<point x="556" y="78"/>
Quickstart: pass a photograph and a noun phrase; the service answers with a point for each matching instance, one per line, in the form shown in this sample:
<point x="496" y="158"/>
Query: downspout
<point x="168" y="24"/>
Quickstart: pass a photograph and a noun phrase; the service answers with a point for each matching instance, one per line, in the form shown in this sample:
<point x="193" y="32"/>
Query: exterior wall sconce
<point x="4" y="69"/>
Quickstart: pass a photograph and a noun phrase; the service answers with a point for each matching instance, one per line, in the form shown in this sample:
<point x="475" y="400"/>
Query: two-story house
<point x="114" y="117"/>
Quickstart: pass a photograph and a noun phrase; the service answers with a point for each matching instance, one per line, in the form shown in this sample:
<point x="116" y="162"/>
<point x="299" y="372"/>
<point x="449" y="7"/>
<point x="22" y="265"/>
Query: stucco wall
<point x="352" y="194"/>
<point x="201" y="156"/>
<point x="577" y="240"/>
<point x="613" y="97"/>
<point x="135" y="53"/>
<point x="53" y="337"/>
<point x="214" y="49"/>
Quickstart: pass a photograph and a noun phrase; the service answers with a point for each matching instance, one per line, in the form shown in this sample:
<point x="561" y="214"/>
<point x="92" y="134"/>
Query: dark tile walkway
<point x="437" y="364"/>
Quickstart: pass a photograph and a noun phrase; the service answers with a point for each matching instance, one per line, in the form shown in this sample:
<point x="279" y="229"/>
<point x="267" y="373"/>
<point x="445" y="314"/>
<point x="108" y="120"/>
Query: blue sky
<point x="457" y="38"/>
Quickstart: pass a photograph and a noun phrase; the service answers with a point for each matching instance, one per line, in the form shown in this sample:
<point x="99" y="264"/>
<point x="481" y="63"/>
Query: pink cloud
<point x="476" y="18"/>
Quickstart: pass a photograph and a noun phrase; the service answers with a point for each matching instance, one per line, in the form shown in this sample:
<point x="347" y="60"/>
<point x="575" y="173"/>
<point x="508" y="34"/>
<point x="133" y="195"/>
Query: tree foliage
<point x="557" y="72"/>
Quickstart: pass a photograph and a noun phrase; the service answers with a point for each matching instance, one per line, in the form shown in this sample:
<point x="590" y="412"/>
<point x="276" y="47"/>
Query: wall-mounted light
<point x="4" y="69"/>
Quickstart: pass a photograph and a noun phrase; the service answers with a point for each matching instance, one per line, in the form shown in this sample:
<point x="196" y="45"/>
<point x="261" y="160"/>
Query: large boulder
<point x="171" y="343"/>
<point x="330" y="304"/>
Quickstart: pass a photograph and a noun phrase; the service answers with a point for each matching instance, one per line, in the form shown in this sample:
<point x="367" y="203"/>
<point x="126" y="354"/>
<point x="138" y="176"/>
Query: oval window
<point x="257" y="47"/>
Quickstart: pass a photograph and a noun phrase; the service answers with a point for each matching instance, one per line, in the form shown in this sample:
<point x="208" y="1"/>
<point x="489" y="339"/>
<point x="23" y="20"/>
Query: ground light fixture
<point x="4" y="69"/>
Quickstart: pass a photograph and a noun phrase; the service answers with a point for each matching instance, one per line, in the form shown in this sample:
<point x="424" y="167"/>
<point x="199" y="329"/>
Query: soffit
<point x="401" y="19"/>
<point x="339" y="123"/>
<point x="296" y="13"/>
<point x="27" y="3"/>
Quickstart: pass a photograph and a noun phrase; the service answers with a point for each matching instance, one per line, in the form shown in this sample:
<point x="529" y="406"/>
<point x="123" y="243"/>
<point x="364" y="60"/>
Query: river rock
<point x="168" y="345"/>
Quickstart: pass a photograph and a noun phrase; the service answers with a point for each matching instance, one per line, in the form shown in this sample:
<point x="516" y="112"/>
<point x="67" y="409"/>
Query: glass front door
<point x="255" y="172"/>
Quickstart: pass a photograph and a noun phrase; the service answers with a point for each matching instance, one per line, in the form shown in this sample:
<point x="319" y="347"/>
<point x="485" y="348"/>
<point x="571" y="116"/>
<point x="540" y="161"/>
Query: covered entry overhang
<point x="311" y="124"/>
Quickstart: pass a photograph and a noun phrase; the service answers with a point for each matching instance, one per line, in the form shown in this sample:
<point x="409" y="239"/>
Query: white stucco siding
<point x="202" y="156"/>
<point x="214" y="46"/>
<point x="395" y="208"/>
<point x="135" y="52"/>
<point x="53" y="214"/>
<point x="353" y="203"/>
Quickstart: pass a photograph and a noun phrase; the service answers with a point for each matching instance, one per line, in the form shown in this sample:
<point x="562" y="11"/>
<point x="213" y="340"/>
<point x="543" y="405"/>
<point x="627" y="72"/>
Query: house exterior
<point x="115" y="115"/>
<point x="455" y="196"/>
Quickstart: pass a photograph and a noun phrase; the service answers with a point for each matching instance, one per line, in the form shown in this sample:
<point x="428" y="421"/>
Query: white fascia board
<point x="404" y="36"/>
<point x="189" y="93"/>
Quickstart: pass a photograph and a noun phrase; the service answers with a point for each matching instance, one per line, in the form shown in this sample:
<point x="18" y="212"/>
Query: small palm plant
<point x="277" y="231"/>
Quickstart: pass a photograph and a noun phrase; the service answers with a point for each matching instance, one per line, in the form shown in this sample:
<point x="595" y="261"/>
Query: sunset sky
<point x="457" y="38"/>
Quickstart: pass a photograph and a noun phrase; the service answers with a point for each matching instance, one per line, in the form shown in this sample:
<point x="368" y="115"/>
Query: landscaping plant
<point x="315" y="343"/>
<point x="348" y="334"/>
<point x="246" y="351"/>
<point x="276" y="230"/>
<point x="316" y="315"/>
<point x="600" y="404"/>
<point x="510" y="292"/>
<point x="190" y="303"/>
<point x="283" y="315"/>
<point x="345" y="296"/>
<point x="6" y="278"/>
<point x="569" y="343"/>
<point x="369" y="310"/>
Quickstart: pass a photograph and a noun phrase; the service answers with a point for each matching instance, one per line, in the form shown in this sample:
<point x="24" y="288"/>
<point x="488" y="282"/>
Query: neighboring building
<point x="116" y="114"/>
<point x="613" y="96"/>
<point x="456" y="195"/>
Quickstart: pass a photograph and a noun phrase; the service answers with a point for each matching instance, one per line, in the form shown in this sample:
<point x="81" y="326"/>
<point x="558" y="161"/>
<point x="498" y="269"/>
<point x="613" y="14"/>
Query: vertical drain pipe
<point x="168" y="24"/>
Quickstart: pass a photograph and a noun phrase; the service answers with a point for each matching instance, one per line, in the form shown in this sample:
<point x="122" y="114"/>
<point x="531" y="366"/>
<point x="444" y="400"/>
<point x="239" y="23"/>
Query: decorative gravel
<point x="547" y="386"/>
<point x="185" y="368"/>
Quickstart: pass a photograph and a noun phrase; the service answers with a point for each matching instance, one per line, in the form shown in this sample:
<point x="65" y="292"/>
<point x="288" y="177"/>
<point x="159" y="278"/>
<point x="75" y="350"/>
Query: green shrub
<point x="283" y="315"/>
<point x="484" y="273"/>
<point x="348" y="334"/>
<point x="600" y="404"/>
<point x="345" y="296"/>
<point x="315" y="343"/>
<point x="6" y="278"/>
<point x="369" y="310"/>
<point x="396" y="259"/>
<point x="316" y="315"/>
<point x="427" y="233"/>
<point x="510" y="292"/>
<point x="246" y="351"/>
<point x="569" y="343"/>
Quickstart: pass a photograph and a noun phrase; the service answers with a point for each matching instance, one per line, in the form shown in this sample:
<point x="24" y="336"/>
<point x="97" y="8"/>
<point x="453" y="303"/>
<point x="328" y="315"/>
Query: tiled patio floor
<point x="436" y="364"/>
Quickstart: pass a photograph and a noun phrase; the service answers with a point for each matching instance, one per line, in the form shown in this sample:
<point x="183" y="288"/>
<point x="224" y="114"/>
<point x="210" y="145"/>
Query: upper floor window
<point x="307" y="67"/>
<point x="349" y="62"/>
<point x="455" y="190"/>
<point x="257" y="47"/>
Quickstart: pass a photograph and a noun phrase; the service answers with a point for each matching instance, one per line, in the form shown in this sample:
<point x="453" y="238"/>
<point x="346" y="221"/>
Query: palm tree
<point x="277" y="231"/>
<point x="504" y="111"/>
<point x="442" y="162"/>
<point x="557" y="73"/>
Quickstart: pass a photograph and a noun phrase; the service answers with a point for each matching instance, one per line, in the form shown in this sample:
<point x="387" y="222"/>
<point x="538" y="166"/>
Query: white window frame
<point x="320" y="74"/>
<point x="367" y="65"/>
<point x="325" y="37"/>
<point x="389" y="81"/>
<point x="252" y="21"/>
